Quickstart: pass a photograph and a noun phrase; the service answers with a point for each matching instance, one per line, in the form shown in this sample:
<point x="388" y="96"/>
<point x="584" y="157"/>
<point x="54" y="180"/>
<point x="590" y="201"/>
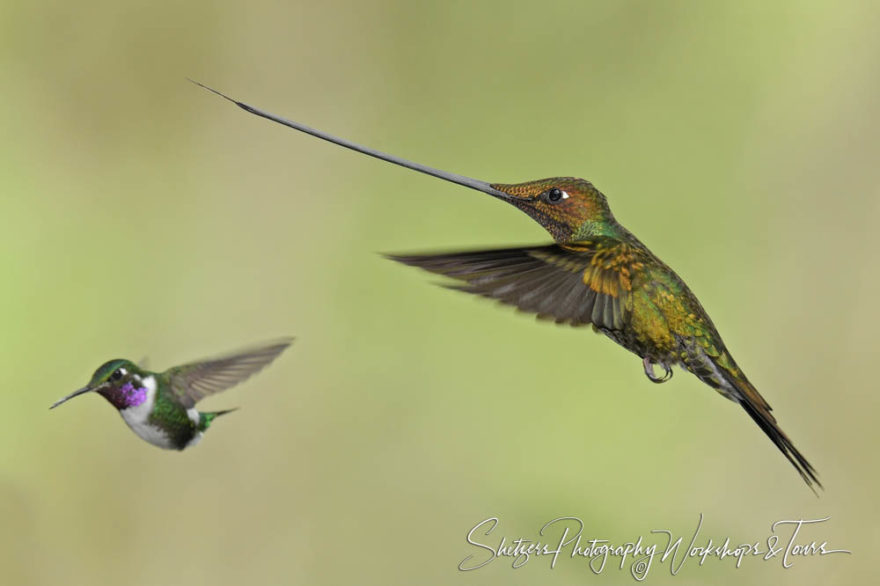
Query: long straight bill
<point x="453" y="177"/>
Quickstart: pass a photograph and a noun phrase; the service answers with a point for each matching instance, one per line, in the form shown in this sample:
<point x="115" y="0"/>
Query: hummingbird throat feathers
<point x="137" y="416"/>
<point x="140" y="411"/>
<point x="558" y="228"/>
<point x="132" y="393"/>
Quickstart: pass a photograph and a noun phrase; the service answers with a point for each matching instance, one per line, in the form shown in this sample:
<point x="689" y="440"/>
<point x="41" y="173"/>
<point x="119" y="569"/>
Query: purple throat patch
<point x="131" y="396"/>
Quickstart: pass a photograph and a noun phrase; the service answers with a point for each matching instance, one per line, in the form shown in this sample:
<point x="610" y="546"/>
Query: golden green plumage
<point x="597" y="273"/>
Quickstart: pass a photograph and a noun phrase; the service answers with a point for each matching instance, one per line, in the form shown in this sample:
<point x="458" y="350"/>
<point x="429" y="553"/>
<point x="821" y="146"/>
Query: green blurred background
<point x="139" y="215"/>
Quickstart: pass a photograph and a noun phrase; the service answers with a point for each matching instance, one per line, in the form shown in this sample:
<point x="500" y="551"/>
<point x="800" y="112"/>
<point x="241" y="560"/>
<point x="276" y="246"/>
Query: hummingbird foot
<point x="649" y="371"/>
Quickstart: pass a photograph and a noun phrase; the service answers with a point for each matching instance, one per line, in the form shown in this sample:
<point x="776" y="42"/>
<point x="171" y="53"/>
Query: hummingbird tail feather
<point x="722" y="374"/>
<point x="207" y="418"/>
<point x="758" y="409"/>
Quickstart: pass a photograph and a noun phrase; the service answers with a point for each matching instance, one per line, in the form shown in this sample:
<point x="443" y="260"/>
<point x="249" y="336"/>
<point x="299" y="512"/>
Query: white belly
<point x="145" y="430"/>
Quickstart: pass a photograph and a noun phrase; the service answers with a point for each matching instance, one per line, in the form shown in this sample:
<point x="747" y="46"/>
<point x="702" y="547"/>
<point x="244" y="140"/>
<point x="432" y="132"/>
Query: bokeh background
<point x="141" y="216"/>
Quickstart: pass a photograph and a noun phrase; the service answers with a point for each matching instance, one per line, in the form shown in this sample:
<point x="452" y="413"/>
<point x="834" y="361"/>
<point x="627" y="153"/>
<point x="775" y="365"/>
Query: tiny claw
<point x="649" y="371"/>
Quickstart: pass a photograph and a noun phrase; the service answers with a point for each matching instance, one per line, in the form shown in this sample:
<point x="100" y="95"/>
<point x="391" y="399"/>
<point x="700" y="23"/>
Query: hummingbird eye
<point x="117" y="374"/>
<point x="555" y="195"/>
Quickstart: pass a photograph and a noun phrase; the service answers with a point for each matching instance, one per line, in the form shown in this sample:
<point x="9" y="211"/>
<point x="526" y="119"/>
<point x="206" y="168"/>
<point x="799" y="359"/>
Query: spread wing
<point x="193" y="382"/>
<point x="577" y="283"/>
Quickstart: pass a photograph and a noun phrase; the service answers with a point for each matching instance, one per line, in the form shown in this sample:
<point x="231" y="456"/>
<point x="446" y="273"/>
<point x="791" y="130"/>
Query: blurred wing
<point x="578" y="283"/>
<point x="193" y="382"/>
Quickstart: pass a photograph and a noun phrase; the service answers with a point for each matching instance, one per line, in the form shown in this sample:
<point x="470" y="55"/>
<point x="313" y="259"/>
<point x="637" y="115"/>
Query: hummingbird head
<point x="569" y="208"/>
<point x="119" y="381"/>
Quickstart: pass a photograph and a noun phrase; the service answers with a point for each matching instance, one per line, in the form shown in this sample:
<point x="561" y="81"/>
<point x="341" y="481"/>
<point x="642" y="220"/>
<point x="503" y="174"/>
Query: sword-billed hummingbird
<point x="596" y="273"/>
<point x="160" y="406"/>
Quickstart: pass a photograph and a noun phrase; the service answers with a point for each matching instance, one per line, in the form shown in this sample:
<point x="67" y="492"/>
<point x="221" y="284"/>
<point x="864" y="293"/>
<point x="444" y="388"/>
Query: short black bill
<point x="71" y="396"/>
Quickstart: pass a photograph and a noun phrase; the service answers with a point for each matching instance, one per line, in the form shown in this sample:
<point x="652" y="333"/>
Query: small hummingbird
<point x="160" y="406"/>
<point x="597" y="273"/>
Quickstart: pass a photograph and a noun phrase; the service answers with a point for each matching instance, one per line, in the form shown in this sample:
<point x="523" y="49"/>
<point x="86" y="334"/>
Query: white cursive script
<point x="564" y="537"/>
